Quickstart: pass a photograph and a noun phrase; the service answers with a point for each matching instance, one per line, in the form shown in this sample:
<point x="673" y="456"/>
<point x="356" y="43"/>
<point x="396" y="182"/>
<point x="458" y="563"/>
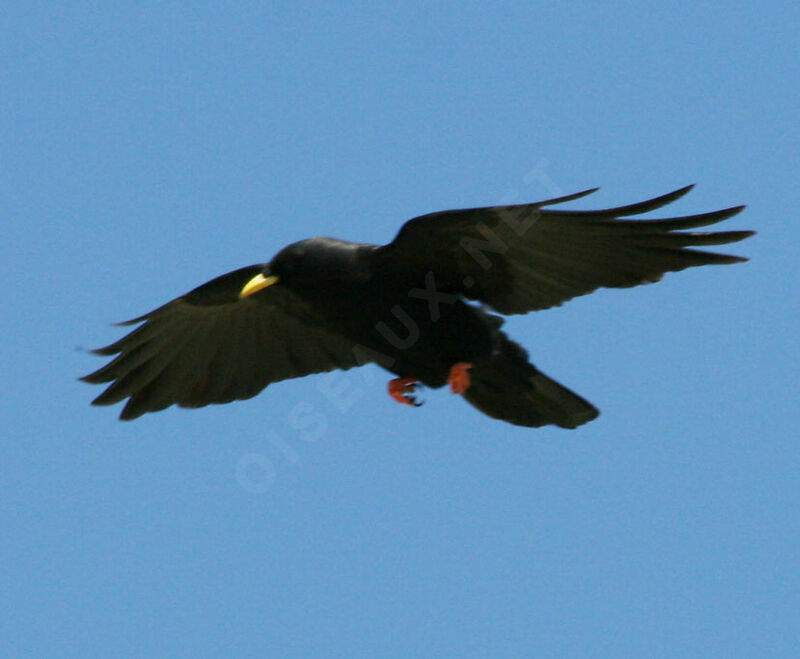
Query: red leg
<point x="402" y="390"/>
<point x="459" y="377"/>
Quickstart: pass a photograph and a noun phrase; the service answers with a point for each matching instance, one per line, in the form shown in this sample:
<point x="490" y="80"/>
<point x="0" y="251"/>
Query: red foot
<point x="459" y="377"/>
<point x="402" y="390"/>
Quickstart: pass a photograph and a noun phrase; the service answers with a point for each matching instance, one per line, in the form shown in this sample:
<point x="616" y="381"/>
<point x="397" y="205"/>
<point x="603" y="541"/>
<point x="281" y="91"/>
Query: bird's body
<point x="368" y="301"/>
<point x="417" y="307"/>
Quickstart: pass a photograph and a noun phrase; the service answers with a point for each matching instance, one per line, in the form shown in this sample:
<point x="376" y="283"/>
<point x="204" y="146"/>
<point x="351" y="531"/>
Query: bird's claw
<point x="402" y="390"/>
<point x="459" y="377"/>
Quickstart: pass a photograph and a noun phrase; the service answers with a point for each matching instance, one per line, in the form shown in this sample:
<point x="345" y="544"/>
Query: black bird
<point x="417" y="306"/>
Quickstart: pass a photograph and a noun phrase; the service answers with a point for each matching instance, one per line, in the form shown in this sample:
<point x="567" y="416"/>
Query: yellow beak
<point x="257" y="283"/>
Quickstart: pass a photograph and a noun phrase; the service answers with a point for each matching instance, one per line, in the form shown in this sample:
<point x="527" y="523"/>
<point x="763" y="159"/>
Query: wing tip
<point x="641" y="207"/>
<point x="107" y="351"/>
<point x="569" y="197"/>
<point x="130" y="415"/>
<point x="736" y="236"/>
<point x="132" y="321"/>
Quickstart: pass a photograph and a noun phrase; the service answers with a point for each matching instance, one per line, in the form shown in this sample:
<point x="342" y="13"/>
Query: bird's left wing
<point x="214" y="346"/>
<point x="525" y="257"/>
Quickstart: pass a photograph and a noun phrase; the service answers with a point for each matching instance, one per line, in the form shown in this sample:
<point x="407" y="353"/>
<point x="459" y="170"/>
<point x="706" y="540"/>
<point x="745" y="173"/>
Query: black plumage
<point x="418" y="306"/>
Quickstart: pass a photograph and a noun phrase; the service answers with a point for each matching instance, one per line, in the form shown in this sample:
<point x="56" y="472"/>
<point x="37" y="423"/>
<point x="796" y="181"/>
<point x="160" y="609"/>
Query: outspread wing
<point x="522" y="258"/>
<point x="210" y="346"/>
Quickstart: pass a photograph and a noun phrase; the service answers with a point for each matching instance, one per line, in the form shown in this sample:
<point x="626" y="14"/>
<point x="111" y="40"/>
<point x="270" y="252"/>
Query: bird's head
<point x="305" y="264"/>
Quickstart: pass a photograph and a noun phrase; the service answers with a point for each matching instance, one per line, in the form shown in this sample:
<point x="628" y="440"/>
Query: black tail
<point x="510" y="388"/>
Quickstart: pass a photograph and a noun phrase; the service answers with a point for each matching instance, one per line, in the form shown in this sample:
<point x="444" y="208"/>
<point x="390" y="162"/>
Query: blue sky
<point x="148" y="147"/>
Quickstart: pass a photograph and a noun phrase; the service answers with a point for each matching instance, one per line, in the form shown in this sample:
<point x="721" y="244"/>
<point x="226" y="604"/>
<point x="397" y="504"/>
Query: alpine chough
<point x="420" y="306"/>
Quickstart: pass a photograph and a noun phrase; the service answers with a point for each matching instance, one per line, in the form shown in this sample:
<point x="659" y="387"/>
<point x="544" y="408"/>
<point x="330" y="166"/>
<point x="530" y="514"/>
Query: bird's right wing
<point x="213" y="346"/>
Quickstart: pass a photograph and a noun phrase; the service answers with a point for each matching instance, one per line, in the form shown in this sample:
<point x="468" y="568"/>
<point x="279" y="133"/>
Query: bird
<point x="428" y="307"/>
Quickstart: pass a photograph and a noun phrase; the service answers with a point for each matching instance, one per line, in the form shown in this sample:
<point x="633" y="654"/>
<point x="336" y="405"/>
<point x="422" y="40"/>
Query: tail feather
<point x="509" y="388"/>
